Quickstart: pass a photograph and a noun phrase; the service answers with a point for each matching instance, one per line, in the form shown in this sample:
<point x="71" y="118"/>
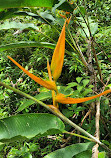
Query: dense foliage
<point x="88" y="33"/>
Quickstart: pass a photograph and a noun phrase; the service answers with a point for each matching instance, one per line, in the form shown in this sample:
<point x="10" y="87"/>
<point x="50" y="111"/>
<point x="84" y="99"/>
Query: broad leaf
<point x="41" y="96"/>
<point x="7" y="13"/>
<point x="84" y="154"/>
<point x="72" y="84"/>
<point x="44" y="17"/>
<point x="63" y="5"/>
<point x="25" y="3"/>
<point x="85" y="82"/>
<point x="102" y="155"/>
<point x="36" y="3"/>
<point x="18" y="25"/>
<point x="70" y="151"/>
<point x="24" y="44"/>
<point x="78" y="79"/>
<point x="93" y="27"/>
<point x="28" y="126"/>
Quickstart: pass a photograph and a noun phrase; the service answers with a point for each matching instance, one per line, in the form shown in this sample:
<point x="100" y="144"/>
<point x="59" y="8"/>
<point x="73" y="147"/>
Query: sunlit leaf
<point x="25" y="3"/>
<point x="102" y="155"/>
<point x="70" y="151"/>
<point x="17" y="25"/>
<point x="44" y="17"/>
<point x="28" y="102"/>
<point x="28" y="126"/>
<point x="85" y="82"/>
<point x="62" y="4"/>
<point x="24" y="44"/>
<point x="84" y="154"/>
<point x="36" y="3"/>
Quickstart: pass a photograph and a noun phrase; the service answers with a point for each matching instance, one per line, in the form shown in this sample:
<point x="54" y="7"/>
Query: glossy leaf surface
<point x="28" y="102"/>
<point x="17" y="25"/>
<point x="24" y="44"/>
<point x="70" y="151"/>
<point x="35" y="3"/>
<point x="28" y="126"/>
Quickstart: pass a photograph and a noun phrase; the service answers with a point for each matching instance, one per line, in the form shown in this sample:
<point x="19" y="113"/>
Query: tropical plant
<point x="27" y="126"/>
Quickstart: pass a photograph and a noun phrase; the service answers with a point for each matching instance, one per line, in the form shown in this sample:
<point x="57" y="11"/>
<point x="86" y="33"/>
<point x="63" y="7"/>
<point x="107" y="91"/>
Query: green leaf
<point x="84" y="154"/>
<point x="70" y="151"/>
<point x="64" y="5"/>
<point x="87" y="91"/>
<point x="62" y="89"/>
<point x="78" y="109"/>
<point x="36" y="3"/>
<point x="7" y="13"/>
<point x="85" y="82"/>
<point x="28" y="126"/>
<point x="93" y="27"/>
<point x="44" y="17"/>
<point x="67" y="113"/>
<point x="102" y="155"/>
<point x="78" y="79"/>
<point x="24" y="44"/>
<point x="79" y="88"/>
<point x="27" y="102"/>
<point x="72" y="84"/>
<point x="25" y="3"/>
<point x="82" y="10"/>
<point x="18" y="25"/>
<point x="109" y="86"/>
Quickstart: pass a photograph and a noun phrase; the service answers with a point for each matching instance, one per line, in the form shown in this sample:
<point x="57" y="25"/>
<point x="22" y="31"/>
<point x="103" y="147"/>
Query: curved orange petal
<point x="61" y="98"/>
<point x="58" y="55"/>
<point x="47" y="84"/>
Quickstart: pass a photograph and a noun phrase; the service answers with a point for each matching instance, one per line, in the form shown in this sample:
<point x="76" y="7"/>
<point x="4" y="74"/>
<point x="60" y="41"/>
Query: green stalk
<point x="78" y="135"/>
<point x="79" y="51"/>
<point x="56" y="111"/>
<point x="96" y="59"/>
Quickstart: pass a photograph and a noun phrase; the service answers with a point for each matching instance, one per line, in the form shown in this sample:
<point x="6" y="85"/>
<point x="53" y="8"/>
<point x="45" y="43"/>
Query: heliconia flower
<point x="58" y="55"/>
<point x="47" y="84"/>
<point x="61" y="98"/>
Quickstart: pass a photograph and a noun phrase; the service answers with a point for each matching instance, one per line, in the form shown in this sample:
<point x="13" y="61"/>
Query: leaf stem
<point x="78" y="50"/>
<point x="78" y="135"/>
<point x="56" y="111"/>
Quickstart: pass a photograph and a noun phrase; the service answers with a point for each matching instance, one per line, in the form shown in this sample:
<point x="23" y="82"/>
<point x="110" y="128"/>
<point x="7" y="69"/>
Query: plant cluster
<point x="83" y="49"/>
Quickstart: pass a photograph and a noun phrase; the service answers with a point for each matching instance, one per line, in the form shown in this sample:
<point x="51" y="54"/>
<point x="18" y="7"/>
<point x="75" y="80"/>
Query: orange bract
<point x="47" y="84"/>
<point x="58" y="55"/>
<point x="49" y="70"/>
<point x="61" y="98"/>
